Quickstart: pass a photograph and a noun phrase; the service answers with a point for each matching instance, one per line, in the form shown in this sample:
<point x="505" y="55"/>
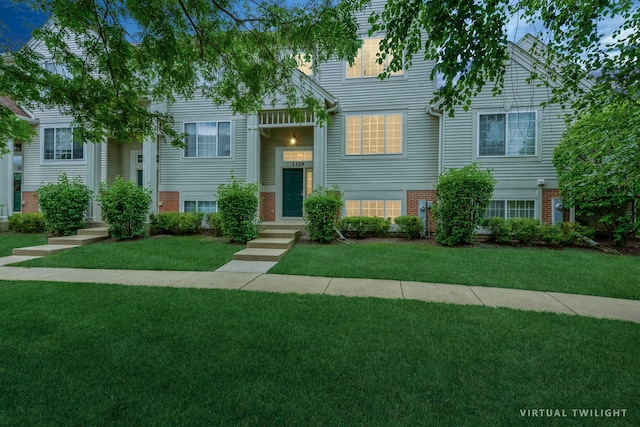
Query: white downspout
<point x="438" y="114"/>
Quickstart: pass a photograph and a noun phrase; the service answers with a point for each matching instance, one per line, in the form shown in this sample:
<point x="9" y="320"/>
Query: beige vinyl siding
<point x="177" y="173"/>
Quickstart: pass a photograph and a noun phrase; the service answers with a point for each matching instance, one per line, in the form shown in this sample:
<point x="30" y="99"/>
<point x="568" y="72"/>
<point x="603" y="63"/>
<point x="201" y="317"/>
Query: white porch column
<point x="150" y="169"/>
<point x="6" y="184"/>
<point x="319" y="156"/>
<point x="94" y="173"/>
<point x="253" y="149"/>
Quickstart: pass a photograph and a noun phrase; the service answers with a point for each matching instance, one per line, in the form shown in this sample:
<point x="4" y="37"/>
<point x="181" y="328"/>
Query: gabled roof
<point x="9" y="103"/>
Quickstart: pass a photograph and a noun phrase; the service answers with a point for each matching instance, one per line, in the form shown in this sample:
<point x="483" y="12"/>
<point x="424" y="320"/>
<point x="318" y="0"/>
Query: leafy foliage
<point x="411" y="226"/>
<point x="232" y="52"/>
<point x="499" y="229"/>
<point x="528" y="231"/>
<point x="176" y="223"/>
<point x="30" y="222"/>
<point x="363" y="226"/>
<point x="238" y="206"/>
<point x="322" y="213"/>
<point x="214" y="222"/>
<point x="525" y="230"/>
<point x="125" y="207"/>
<point x="13" y="129"/>
<point x="565" y="233"/>
<point x="64" y="205"/>
<point x="463" y="197"/>
<point x="598" y="167"/>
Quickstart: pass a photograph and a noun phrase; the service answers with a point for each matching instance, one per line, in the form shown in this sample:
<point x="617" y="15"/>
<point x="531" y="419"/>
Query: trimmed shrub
<point x="321" y="214"/>
<point x="125" y="208"/>
<point x="565" y="233"/>
<point x="64" y="205"/>
<point x="214" y="223"/>
<point x="363" y="226"/>
<point x="31" y="222"/>
<point x="463" y="197"/>
<point x="176" y="223"/>
<point x="411" y="226"/>
<point x="499" y="229"/>
<point x="525" y="230"/>
<point x="238" y="206"/>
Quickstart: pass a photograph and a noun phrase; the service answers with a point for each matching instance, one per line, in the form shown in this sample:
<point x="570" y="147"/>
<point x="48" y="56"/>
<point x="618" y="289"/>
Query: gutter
<point x="438" y="114"/>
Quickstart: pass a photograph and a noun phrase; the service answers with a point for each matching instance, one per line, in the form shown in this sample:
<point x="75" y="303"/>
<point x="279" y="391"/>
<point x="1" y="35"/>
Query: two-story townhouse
<point x="384" y="147"/>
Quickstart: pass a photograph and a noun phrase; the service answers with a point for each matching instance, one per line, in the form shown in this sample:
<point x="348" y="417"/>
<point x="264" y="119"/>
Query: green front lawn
<point x="9" y="241"/>
<point x="86" y="354"/>
<point x="189" y="253"/>
<point x="575" y="271"/>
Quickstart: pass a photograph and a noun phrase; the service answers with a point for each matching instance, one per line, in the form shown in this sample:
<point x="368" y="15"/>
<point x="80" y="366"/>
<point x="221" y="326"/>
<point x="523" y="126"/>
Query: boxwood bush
<point x="30" y="222"/>
<point x="125" y="208"/>
<point x="214" y="223"/>
<point x="238" y="205"/>
<point x="411" y="226"/>
<point x="322" y="213"/>
<point x="176" y="223"/>
<point x="64" y="205"/>
<point x="364" y="226"/>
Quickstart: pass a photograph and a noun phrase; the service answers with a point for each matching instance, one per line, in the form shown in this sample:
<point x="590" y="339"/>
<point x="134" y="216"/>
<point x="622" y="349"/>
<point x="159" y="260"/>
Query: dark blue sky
<point x="17" y="22"/>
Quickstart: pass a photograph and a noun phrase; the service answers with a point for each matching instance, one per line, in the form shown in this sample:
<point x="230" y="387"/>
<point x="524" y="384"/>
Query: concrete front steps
<point x="85" y="236"/>
<point x="271" y="245"/>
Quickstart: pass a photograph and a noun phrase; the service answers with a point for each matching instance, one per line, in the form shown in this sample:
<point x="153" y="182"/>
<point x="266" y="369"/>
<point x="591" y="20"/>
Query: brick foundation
<point x="29" y="201"/>
<point x="170" y="201"/>
<point x="268" y="206"/>
<point x="547" y="208"/>
<point x="413" y="196"/>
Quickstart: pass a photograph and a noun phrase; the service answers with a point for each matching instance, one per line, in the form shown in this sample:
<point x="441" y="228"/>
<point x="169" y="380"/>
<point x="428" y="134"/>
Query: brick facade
<point x="170" y="201"/>
<point x="29" y="201"/>
<point x="547" y="208"/>
<point x="413" y="196"/>
<point x="268" y="206"/>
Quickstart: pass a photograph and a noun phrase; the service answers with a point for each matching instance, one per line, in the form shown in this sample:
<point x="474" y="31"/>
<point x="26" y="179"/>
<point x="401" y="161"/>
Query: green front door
<point x="292" y="192"/>
<point x="17" y="191"/>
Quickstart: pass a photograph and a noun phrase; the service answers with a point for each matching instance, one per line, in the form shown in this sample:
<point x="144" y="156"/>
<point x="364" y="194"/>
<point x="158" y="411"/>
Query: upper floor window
<point x="305" y="64"/>
<point x="507" y="134"/>
<point x="208" y="139"/>
<point x="55" y="68"/>
<point x="366" y="63"/>
<point x="374" y="134"/>
<point x="60" y="145"/>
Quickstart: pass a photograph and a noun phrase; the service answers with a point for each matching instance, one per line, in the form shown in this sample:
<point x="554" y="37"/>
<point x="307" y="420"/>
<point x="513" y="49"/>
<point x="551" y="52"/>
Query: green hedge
<point x="364" y="226"/>
<point x="32" y="222"/>
<point x="528" y="231"/>
<point x="322" y="213"/>
<point x="411" y="226"/>
<point x="176" y="223"/>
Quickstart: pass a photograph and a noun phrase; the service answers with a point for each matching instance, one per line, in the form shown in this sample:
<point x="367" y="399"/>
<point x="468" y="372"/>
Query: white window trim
<point x="56" y="162"/>
<point x="506" y="113"/>
<point x="197" y="158"/>
<point x="513" y="199"/>
<point x="403" y="138"/>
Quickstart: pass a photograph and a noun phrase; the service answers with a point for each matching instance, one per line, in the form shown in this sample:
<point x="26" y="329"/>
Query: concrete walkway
<point x="252" y="276"/>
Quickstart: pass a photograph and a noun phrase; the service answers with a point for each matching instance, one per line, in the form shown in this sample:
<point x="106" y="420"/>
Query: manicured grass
<point x="87" y="354"/>
<point x="189" y="253"/>
<point x="9" y="241"/>
<point x="568" y="270"/>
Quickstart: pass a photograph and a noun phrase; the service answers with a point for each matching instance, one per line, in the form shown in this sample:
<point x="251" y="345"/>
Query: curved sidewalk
<point x="583" y="305"/>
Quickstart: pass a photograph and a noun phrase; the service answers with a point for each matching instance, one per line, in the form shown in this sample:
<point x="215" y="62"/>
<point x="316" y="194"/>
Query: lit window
<point x="59" y="145"/>
<point x="208" y="139"/>
<point x="374" y="134"/>
<point x="379" y="208"/>
<point x="512" y="134"/>
<point x="297" y="156"/>
<point x="203" y="206"/>
<point x="305" y="64"/>
<point x="365" y="64"/>
<point x="508" y="209"/>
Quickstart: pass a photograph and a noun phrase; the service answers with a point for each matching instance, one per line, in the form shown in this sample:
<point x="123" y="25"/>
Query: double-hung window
<point x="59" y="144"/>
<point x="380" y="134"/>
<point x="509" y="209"/>
<point x="207" y="139"/>
<point x="507" y="134"/>
<point x="366" y="64"/>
